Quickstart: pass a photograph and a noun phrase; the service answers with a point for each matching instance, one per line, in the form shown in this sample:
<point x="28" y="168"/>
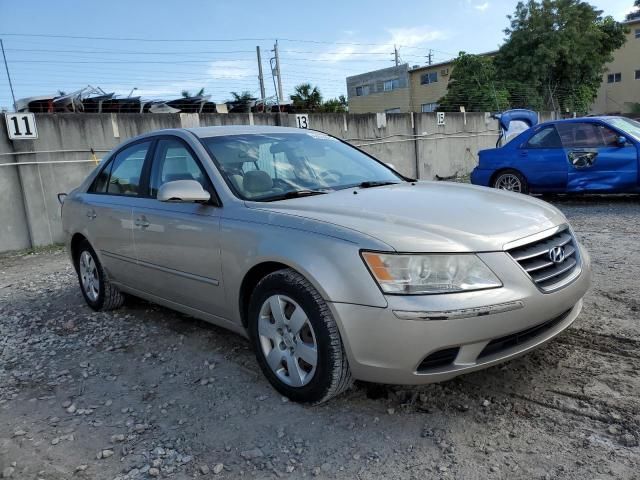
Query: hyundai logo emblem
<point x="556" y="254"/>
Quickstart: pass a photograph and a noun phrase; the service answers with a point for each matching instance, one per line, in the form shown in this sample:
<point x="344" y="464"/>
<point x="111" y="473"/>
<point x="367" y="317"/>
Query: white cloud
<point x="413" y="36"/>
<point x="401" y="37"/>
<point x="229" y="69"/>
<point x="482" y="6"/>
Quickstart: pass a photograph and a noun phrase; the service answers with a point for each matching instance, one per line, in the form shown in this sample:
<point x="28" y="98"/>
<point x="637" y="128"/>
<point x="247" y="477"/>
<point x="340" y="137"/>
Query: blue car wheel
<point x="512" y="181"/>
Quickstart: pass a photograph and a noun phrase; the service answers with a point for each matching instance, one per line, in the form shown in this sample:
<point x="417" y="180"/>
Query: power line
<point x="200" y="40"/>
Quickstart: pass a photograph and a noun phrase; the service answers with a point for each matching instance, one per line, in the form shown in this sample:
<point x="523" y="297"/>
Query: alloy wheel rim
<point x="509" y="182"/>
<point x="287" y="340"/>
<point x="89" y="276"/>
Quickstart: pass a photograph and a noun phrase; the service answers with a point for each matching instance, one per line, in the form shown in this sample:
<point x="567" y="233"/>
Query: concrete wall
<point x="30" y="214"/>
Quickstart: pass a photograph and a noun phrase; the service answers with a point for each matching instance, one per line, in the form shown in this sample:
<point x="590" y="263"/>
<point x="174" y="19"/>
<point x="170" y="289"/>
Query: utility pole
<point x="277" y="57"/>
<point x="430" y="57"/>
<point x="260" y="77"/>
<point x="395" y="55"/>
<point x="8" y="76"/>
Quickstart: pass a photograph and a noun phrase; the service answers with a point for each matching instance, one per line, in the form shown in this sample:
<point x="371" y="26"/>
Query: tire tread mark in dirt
<point x="602" y="343"/>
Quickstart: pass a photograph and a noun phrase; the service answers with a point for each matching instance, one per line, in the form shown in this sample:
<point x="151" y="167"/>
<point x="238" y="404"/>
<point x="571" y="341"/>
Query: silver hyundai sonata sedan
<point x="332" y="264"/>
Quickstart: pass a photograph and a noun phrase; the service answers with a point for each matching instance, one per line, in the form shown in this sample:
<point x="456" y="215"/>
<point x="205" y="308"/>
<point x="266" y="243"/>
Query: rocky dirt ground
<point x="145" y="392"/>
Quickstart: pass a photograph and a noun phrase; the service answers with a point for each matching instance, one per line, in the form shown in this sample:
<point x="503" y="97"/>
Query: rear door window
<point x="547" y="137"/>
<point x="121" y="176"/>
<point x="126" y="171"/>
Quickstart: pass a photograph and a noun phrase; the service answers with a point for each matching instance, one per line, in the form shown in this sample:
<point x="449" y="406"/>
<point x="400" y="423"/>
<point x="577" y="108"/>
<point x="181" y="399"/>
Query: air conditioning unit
<point x="444" y="72"/>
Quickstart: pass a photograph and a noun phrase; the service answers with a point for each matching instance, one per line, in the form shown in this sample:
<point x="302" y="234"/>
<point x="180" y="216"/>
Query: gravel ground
<point x="145" y="392"/>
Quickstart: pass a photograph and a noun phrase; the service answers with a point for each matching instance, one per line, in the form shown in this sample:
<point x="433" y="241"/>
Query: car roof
<point x="206" y="132"/>
<point x="579" y="119"/>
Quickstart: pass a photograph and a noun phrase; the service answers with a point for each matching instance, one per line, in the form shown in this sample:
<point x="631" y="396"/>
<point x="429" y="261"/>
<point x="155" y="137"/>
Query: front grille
<point x="508" y="341"/>
<point x="535" y="259"/>
<point x="441" y="358"/>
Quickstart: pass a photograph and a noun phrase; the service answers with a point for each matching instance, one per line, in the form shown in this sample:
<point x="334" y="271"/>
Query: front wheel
<point x="296" y="339"/>
<point x="512" y="181"/>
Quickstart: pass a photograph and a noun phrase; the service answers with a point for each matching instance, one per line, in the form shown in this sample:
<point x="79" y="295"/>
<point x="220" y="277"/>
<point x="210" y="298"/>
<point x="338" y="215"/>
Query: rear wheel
<point x="296" y="339"/>
<point x="97" y="290"/>
<point x="512" y="181"/>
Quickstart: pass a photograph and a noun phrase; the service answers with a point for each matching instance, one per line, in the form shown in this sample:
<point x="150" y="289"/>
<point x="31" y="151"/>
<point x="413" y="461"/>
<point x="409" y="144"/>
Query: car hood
<point x="427" y="216"/>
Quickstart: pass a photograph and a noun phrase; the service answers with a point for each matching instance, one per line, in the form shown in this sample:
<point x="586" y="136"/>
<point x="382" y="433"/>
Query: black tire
<point x="108" y="296"/>
<point x="332" y="375"/>
<point x="524" y="188"/>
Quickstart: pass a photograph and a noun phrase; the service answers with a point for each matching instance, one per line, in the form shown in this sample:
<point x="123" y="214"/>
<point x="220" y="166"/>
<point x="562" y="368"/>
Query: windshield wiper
<point x="371" y="183"/>
<point x="295" y="194"/>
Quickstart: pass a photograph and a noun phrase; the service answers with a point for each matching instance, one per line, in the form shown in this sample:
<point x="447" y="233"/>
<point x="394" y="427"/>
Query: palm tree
<point x="306" y="97"/>
<point x="243" y="97"/>
<point x="187" y="94"/>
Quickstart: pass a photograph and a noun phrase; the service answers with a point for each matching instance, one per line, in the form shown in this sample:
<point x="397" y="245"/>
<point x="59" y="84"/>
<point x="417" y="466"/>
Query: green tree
<point x="636" y="13"/>
<point x="554" y="55"/>
<point x="336" y="105"/>
<point x="306" y="98"/>
<point x="474" y="86"/>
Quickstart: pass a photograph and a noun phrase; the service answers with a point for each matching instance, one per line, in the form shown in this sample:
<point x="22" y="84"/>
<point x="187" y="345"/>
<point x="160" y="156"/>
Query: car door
<point x="542" y="160"/>
<point x="108" y="209"/>
<point x="177" y="244"/>
<point x="596" y="159"/>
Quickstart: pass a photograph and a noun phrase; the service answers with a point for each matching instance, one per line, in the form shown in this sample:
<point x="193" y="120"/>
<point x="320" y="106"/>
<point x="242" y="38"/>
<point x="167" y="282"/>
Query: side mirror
<point x="621" y="141"/>
<point x="183" y="191"/>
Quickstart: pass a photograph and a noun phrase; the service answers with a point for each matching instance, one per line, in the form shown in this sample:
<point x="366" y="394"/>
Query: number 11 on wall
<point x="21" y="126"/>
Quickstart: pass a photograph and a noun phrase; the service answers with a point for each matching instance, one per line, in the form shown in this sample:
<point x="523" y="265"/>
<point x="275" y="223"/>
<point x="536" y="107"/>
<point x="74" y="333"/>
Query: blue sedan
<point x="590" y="155"/>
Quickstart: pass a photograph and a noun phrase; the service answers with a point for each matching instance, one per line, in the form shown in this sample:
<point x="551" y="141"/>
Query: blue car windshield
<point x="628" y="126"/>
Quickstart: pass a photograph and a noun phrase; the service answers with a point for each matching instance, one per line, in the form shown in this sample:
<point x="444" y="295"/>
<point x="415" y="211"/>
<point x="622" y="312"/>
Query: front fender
<point x="331" y="264"/>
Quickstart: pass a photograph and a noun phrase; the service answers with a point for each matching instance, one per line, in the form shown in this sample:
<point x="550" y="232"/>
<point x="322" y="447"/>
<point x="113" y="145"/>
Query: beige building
<point x="620" y="88"/>
<point x="400" y="89"/>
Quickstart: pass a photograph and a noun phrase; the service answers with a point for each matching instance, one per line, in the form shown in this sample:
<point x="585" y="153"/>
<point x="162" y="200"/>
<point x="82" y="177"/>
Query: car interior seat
<point x="256" y="183"/>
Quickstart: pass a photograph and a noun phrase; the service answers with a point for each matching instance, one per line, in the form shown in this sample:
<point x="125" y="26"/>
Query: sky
<point x="162" y="47"/>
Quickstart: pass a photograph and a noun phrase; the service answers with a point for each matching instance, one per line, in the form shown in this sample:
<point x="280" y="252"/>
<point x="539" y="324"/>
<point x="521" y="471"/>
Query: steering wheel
<point x="331" y="175"/>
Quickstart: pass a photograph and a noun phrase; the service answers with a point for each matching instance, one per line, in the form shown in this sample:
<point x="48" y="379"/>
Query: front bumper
<point x="383" y="348"/>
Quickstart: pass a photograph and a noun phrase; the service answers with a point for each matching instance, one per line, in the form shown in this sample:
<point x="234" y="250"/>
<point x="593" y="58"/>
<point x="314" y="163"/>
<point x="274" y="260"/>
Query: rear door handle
<point x="524" y="153"/>
<point x="91" y="214"/>
<point x="141" y="222"/>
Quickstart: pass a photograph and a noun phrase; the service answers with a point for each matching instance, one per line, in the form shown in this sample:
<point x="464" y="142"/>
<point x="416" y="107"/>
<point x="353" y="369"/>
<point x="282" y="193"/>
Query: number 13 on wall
<point x="21" y="126"/>
<point x="302" y="121"/>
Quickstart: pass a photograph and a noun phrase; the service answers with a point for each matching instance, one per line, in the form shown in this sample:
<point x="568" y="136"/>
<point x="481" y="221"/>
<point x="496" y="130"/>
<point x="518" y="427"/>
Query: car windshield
<point x="628" y="126"/>
<point x="277" y="166"/>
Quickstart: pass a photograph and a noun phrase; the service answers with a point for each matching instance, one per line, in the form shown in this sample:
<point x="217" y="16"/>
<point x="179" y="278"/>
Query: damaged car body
<point x="580" y="155"/>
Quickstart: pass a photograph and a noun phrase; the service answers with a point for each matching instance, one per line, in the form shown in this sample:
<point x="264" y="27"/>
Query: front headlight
<point x="411" y="274"/>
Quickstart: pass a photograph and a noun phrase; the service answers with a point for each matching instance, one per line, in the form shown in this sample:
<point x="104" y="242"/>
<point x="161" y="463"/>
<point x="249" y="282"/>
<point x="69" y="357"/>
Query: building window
<point x="362" y="91"/>
<point x="637" y="74"/>
<point x="428" y="78"/>
<point x="392" y="84"/>
<point x="392" y="110"/>
<point x="614" y="78"/>
<point x="429" y="107"/>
